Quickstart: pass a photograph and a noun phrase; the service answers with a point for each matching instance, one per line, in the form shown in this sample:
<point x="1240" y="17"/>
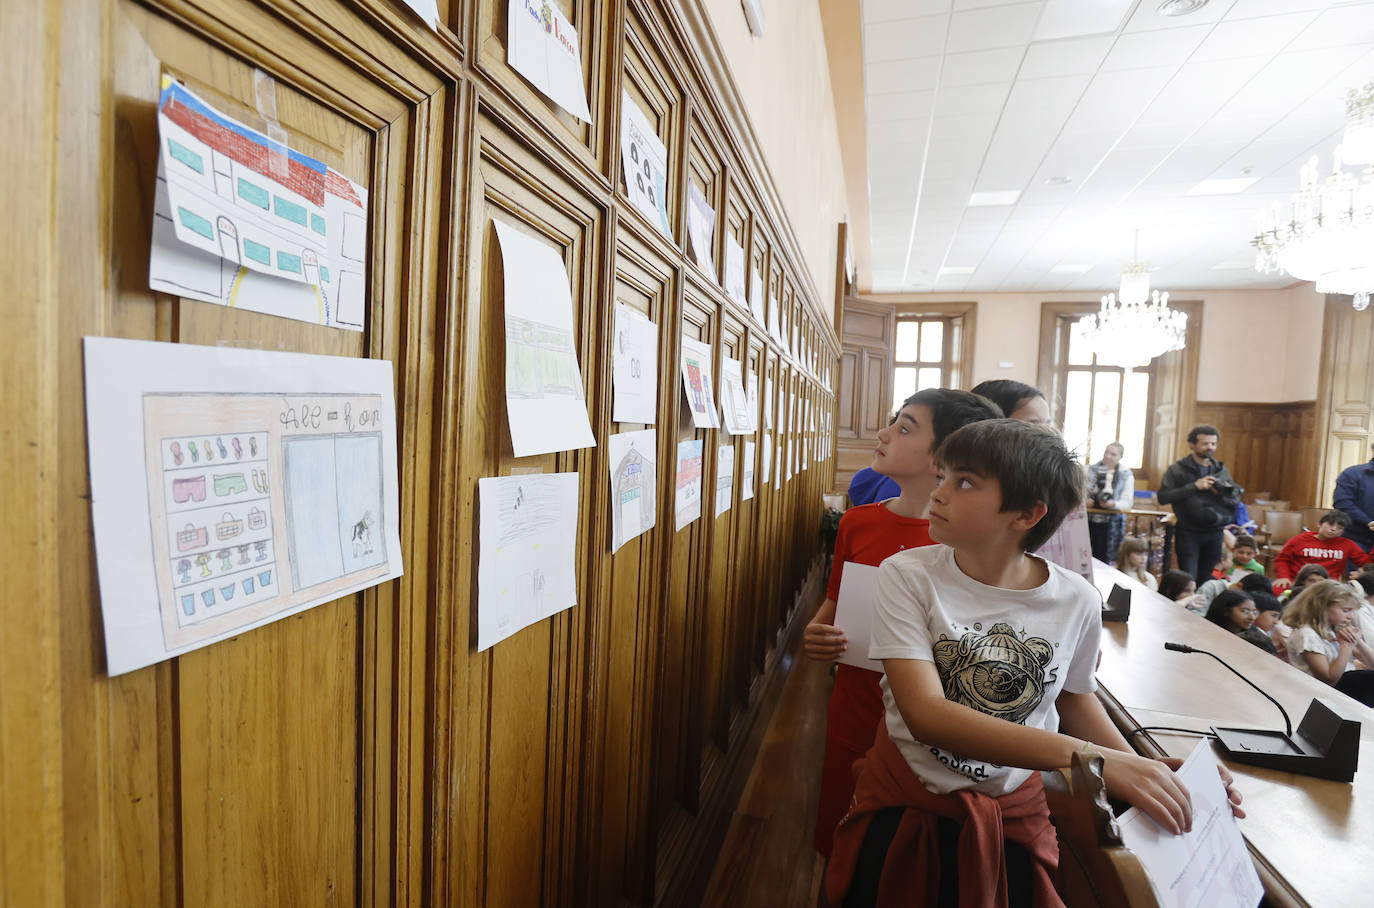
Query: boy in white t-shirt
<point x="988" y="651"/>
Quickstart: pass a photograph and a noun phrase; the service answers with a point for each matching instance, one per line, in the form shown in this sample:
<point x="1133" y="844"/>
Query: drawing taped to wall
<point x="243" y="221"/>
<point x="231" y="488"/>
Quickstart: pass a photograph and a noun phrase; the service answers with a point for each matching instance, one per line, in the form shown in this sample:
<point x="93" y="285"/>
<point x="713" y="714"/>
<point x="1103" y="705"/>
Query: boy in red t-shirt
<point x="868" y="534"/>
<point x="1326" y="547"/>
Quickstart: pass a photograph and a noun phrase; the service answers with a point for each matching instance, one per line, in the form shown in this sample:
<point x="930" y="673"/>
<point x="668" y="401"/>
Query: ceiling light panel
<point x="994" y="197"/>
<point x="1073" y="18"/>
<point x="1251" y="37"/>
<point x="985" y="29"/>
<point x="903" y="38"/>
<point x="1145" y="19"/>
<point x="911" y="74"/>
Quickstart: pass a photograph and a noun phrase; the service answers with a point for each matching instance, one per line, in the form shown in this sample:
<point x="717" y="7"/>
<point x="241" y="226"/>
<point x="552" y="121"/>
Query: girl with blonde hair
<point x="1325" y="637"/>
<point x="1131" y="557"/>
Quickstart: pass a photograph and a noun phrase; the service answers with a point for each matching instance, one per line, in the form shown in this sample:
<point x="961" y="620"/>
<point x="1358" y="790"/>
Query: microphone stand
<point x="1327" y="746"/>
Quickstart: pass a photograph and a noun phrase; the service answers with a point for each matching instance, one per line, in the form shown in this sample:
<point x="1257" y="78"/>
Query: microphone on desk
<point x="1327" y="746"/>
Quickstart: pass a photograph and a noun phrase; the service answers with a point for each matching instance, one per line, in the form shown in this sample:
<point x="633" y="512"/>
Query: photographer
<point x="1204" y="498"/>
<point x="1111" y="487"/>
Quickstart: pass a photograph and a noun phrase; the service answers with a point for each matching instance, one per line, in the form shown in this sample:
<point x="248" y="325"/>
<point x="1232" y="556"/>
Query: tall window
<point x="922" y="357"/>
<point x="1102" y="403"/>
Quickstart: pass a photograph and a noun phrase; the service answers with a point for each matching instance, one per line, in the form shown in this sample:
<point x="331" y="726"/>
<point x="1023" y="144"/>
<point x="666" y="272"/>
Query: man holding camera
<point x="1204" y="498"/>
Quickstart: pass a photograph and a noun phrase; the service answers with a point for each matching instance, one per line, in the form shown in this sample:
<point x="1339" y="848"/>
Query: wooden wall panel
<point x="363" y="751"/>
<point x="1265" y="446"/>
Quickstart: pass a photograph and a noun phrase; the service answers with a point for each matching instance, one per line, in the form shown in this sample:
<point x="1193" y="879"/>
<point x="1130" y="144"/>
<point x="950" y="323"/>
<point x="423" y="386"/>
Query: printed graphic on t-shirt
<point x="996" y="673"/>
<point x="1318" y="554"/>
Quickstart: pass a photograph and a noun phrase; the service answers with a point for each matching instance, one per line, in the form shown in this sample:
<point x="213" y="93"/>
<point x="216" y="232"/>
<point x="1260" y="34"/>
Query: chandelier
<point x="1134" y="325"/>
<point x="1328" y="237"/>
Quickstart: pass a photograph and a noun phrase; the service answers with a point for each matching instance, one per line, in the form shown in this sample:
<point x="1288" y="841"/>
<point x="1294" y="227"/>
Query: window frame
<point x="946" y="361"/>
<point x="1064" y="324"/>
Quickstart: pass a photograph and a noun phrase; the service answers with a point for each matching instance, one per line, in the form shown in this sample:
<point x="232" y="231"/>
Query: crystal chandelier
<point x="1328" y="237"/>
<point x="1134" y="325"/>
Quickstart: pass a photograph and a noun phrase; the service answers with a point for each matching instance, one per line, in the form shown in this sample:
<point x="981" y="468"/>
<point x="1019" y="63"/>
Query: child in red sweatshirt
<point x="1326" y="547"/>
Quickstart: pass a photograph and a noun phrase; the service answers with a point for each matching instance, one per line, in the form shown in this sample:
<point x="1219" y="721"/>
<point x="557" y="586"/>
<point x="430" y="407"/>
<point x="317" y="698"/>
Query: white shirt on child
<point x="1006" y="653"/>
<point x="1305" y="639"/>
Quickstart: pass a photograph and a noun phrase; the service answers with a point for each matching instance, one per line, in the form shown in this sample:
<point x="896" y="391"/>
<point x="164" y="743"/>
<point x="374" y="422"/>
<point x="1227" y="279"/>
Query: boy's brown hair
<point x="1028" y="461"/>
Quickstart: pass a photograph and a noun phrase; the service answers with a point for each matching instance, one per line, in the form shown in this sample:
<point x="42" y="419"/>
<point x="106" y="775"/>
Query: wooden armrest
<point x="1096" y="869"/>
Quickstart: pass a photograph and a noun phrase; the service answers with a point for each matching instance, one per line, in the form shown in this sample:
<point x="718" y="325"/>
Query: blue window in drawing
<point x="317" y="223"/>
<point x="186" y="156"/>
<point x="257" y="252"/>
<point x="290" y="211"/>
<point x="324" y="274"/>
<point x="253" y="195"/>
<point x="288" y="262"/>
<point x="192" y="221"/>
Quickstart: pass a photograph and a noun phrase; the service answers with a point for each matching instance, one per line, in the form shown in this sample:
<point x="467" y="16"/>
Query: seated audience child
<point x="1131" y="556"/>
<point x="1236" y="612"/>
<point x="1270" y="610"/>
<point x="1248" y="583"/>
<point x="1243" y="557"/>
<point x="1180" y="587"/>
<point x="1255" y="583"/>
<point x="1325" y="638"/>
<point x="868" y="534"/>
<point x="1326" y="546"/>
<point x="1309" y="573"/>
<point x="989" y="654"/>
<point x="1364" y="618"/>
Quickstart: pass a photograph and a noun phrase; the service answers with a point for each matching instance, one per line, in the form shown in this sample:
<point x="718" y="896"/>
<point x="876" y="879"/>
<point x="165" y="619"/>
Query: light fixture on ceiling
<point x="1179" y="7"/>
<point x="1058" y="181"/>
<point x="1134" y="325"/>
<point x="1328" y="237"/>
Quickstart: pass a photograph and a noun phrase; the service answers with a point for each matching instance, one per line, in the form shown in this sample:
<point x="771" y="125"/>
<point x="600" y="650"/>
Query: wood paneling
<point x="1345" y="397"/>
<point x="362" y="752"/>
<point x="1266" y="447"/>
<point x="864" y="390"/>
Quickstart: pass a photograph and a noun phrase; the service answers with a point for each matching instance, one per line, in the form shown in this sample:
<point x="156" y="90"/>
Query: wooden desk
<point x="1313" y="840"/>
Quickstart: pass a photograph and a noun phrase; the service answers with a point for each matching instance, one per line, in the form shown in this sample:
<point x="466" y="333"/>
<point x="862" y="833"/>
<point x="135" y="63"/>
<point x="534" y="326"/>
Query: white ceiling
<point x="1134" y="108"/>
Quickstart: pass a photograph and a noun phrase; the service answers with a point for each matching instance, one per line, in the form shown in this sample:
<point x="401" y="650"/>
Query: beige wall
<point x="784" y="80"/>
<point x="1257" y="345"/>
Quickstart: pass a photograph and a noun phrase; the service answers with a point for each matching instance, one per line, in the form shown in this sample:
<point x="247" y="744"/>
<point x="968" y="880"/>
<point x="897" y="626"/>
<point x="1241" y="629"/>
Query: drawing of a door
<point x="312" y="266"/>
<point x="228" y="239"/>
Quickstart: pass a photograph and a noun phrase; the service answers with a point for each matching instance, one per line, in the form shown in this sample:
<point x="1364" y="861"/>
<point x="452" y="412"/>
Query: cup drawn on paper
<point x="188" y="603"/>
<point x="207" y="596"/>
<point x="227" y="592"/>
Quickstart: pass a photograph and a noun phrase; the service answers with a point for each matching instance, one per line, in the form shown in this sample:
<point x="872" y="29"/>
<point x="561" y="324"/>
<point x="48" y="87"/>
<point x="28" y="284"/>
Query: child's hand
<point x="1150" y="785"/>
<point x="1227" y="781"/>
<point x="824" y="642"/>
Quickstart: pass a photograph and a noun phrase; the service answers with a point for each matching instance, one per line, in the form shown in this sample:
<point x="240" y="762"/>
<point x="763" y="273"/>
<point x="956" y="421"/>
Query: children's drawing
<point x="634" y="477"/>
<point x="644" y="158"/>
<point x="542" y="46"/>
<point x="696" y="383"/>
<point x="687" y="500"/>
<point x="307" y="490"/>
<point x="265" y="229"/>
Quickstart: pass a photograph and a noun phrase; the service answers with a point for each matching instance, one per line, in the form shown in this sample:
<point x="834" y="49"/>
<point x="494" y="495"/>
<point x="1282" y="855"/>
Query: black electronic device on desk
<point x="1326" y="746"/>
<point x="1118" y="604"/>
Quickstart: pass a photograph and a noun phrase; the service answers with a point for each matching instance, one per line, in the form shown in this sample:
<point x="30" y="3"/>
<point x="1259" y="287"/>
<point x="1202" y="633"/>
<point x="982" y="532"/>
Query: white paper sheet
<point x="701" y="227"/>
<point x="687" y="501"/>
<point x="734" y="402"/>
<point x="854" y="614"/>
<point x="774" y="326"/>
<point x="697" y="385"/>
<point x="544" y="399"/>
<point x="777" y="474"/>
<point x="734" y="270"/>
<point x="231" y="488"/>
<point x="633" y="463"/>
<point x="725" y="478"/>
<point x="768" y="404"/>
<point x="747" y="480"/>
<point x="751" y="397"/>
<point x="645" y="160"/>
<point x="634" y="367"/>
<point x="526" y="566"/>
<point x="427" y="10"/>
<point x="1208" y="866"/>
<point x="543" y="47"/>
<point x="756" y="295"/>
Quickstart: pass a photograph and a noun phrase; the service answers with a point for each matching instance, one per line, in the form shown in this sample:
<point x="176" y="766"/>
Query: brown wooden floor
<point x="767" y="858"/>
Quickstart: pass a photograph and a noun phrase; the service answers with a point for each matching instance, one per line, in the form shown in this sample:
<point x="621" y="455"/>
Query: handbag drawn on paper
<point x="257" y="519"/>
<point x="193" y="537"/>
<point x="228" y="527"/>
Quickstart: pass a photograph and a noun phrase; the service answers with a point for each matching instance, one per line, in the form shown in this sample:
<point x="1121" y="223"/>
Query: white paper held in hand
<point x="854" y="613"/>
